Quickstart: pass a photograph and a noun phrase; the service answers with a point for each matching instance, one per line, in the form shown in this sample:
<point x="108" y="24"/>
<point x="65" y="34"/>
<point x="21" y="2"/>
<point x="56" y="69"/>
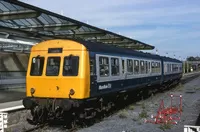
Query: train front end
<point x="57" y="79"/>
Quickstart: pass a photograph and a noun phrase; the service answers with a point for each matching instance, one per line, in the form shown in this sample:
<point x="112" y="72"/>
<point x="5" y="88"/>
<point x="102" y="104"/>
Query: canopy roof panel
<point x="18" y="18"/>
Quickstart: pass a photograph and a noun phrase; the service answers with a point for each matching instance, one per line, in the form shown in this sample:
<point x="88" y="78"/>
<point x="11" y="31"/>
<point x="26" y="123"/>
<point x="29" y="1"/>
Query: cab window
<point x="37" y="66"/>
<point x="70" y="66"/>
<point x="53" y="66"/>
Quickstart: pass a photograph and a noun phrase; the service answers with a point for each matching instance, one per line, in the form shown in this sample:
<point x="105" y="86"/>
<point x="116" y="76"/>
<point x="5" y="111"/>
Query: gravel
<point x="131" y="118"/>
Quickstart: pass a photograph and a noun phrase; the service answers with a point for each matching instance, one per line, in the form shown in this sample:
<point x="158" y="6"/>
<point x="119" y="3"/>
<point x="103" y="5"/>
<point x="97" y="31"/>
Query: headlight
<point x="32" y="90"/>
<point x="71" y="92"/>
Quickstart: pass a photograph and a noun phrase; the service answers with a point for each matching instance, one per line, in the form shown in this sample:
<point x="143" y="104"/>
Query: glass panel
<point x="71" y="65"/>
<point x="9" y="6"/>
<point x="26" y="23"/>
<point x="104" y="66"/>
<point x="142" y="67"/>
<point x="55" y="19"/>
<point x="18" y="7"/>
<point x="20" y="23"/>
<point x="130" y="66"/>
<point x="53" y="66"/>
<point x="37" y="66"/>
<point x="42" y="20"/>
<point x="136" y="67"/>
<point x="31" y="22"/>
<point x="48" y="19"/>
<point x="115" y="66"/>
<point x="3" y="8"/>
<point x="149" y="67"/>
<point x="146" y="67"/>
<point x="152" y="67"/>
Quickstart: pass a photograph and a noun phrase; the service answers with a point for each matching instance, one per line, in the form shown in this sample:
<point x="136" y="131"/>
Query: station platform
<point x="12" y="95"/>
<point x="12" y="99"/>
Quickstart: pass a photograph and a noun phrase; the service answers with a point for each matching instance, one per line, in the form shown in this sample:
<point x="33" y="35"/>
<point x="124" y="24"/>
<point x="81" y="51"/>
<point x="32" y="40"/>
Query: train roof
<point x="170" y="59"/>
<point x="101" y="47"/>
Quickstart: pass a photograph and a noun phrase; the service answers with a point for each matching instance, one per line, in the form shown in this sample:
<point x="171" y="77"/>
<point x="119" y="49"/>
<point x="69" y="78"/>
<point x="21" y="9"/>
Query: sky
<point x="172" y="26"/>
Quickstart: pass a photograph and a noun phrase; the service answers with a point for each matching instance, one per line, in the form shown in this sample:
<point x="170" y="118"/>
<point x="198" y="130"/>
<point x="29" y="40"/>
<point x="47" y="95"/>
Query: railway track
<point x="119" y="106"/>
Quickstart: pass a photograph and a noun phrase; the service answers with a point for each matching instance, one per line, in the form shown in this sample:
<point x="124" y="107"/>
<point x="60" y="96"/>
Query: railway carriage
<point x="65" y="76"/>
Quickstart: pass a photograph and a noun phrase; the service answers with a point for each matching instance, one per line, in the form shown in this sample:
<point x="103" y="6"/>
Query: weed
<point x="131" y="107"/>
<point x="143" y="114"/>
<point x="143" y="106"/>
<point x="123" y="114"/>
<point x="165" y="126"/>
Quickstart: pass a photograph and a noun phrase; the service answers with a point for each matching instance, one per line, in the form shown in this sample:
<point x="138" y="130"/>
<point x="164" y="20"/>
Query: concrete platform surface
<point x="12" y="95"/>
<point x="11" y="106"/>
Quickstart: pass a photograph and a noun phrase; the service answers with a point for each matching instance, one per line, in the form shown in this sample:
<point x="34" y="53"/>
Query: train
<point x="73" y="78"/>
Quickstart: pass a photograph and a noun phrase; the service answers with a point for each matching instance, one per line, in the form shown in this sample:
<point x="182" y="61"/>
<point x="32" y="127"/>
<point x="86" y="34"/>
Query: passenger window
<point x="152" y="67"/>
<point x="115" y="66"/>
<point x="146" y="67"/>
<point x="37" y="66"/>
<point x="159" y="67"/>
<point x="136" y="67"/>
<point x="142" y="67"/>
<point x="130" y="66"/>
<point x="53" y="66"/>
<point x="149" y="67"/>
<point x="70" y="66"/>
<point x="156" y="67"/>
<point x="104" y="66"/>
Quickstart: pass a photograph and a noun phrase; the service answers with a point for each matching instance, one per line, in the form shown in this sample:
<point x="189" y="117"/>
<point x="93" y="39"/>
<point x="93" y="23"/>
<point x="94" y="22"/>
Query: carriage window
<point x="142" y="67"/>
<point x="115" y="66"/>
<point x="156" y="67"/>
<point x="136" y="67"/>
<point x="168" y="68"/>
<point x="53" y="66"/>
<point x="91" y="66"/>
<point x="159" y="68"/>
<point x="37" y="66"/>
<point x="171" y="68"/>
<point x="70" y="66"/>
<point x="130" y="66"/>
<point x="104" y="66"/>
<point x="149" y="67"/>
<point x="146" y="67"/>
<point x="153" y="67"/>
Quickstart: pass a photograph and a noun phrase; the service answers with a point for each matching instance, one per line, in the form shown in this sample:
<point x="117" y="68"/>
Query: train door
<point x="93" y="75"/>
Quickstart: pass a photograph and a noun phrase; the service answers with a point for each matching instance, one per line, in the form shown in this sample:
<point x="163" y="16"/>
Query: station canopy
<point x="23" y="25"/>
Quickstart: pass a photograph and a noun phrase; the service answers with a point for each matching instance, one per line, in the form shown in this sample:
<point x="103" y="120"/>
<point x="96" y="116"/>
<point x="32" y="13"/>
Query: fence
<point x="3" y="121"/>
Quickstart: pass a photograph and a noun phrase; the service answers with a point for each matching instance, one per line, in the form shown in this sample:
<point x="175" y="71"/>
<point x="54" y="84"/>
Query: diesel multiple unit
<point x="66" y="77"/>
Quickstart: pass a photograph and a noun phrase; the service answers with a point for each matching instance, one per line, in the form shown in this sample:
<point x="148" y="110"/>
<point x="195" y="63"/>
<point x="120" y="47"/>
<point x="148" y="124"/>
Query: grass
<point x="197" y="88"/>
<point x="123" y="114"/>
<point x="165" y="126"/>
<point x="143" y="106"/>
<point x="143" y="114"/>
<point x="131" y="107"/>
